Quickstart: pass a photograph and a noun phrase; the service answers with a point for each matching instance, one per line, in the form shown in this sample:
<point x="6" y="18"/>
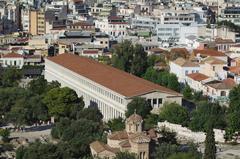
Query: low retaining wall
<point x="185" y="133"/>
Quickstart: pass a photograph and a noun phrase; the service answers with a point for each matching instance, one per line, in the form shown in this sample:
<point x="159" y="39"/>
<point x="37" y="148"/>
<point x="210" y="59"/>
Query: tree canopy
<point x="163" y="78"/>
<point x="130" y="58"/>
<point x="210" y="147"/>
<point x="10" y="77"/>
<point x="233" y="113"/>
<point x="116" y="124"/>
<point x="60" y="101"/>
<point x="141" y="106"/>
<point x="125" y="155"/>
<point x="205" y="111"/>
<point x="174" y="113"/>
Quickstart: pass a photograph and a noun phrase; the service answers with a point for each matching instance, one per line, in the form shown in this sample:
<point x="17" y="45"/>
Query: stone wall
<point x="183" y="133"/>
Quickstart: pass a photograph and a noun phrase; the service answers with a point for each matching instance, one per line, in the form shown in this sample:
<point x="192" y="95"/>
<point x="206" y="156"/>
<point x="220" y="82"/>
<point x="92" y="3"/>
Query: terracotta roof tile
<point x="139" y="138"/>
<point x="208" y="52"/>
<point x="224" y="41"/>
<point x="214" y="61"/>
<point x="100" y="147"/>
<point x="90" y="51"/>
<point x="185" y="63"/>
<point x="134" y="118"/>
<point x="235" y="70"/>
<point x="180" y="50"/>
<point x="197" y="76"/>
<point x="118" y="135"/>
<point x="117" y="80"/>
<point x="157" y="50"/>
<point x="225" y="84"/>
<point x="125" y="143"/>
<point x="12" y="55"/>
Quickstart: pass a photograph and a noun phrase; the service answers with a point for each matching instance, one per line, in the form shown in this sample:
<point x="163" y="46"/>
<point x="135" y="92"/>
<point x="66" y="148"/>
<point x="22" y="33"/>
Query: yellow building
<point x="37" y="22"/>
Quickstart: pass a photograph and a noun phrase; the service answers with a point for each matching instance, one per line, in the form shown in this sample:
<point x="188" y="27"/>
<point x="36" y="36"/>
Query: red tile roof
<point x="180" y="50"/>
<point x="115" y="18"/>
<point x="224" y="41"/>
<point x="12" y="55"/>
<point x="100" y="147"/>
<point x="228" y="83"/>
<point x="90" y="51"/>
<point x="118" y="23"/>
<point x="117" y="80"/>
<point x="235" y="70"/>
<point x="118" y="135"/>
<point x="197" y="76"/>
<point x="208" y="52"/>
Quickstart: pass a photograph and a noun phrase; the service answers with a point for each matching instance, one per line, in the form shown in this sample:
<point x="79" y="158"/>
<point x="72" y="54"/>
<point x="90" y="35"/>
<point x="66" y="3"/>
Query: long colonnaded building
<point x="108" y="88"/>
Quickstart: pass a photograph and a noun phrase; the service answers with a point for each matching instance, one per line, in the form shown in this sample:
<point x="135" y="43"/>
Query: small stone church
<point x="133" y="139"/>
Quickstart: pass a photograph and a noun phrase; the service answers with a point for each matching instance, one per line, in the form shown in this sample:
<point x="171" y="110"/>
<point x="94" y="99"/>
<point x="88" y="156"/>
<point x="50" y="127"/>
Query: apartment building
<point x="114" y="26"/>
<point x="37" y="22"/>
<point x="231" y="14"/>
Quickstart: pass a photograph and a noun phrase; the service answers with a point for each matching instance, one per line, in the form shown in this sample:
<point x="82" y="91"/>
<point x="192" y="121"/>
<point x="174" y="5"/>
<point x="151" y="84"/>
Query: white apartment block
<point x="176" y="32"/>
<point x="231" y="14"/>
<point x="114" y="26"/>
<point x="103" y="86"/>
<point x="12" y="60"/>
<point x="25" y="20"/>
<point x="181" y="68"/>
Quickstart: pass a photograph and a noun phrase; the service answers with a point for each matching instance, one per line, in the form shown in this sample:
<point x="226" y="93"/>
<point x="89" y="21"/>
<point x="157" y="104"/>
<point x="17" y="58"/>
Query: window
<point x="149" y="101"/>
<point x="186" y="72"/>
<point x="154" y="101"/>
<point x="213" y="68"/>
<point x="223" y="93"/>
<point x="159" y="100"/>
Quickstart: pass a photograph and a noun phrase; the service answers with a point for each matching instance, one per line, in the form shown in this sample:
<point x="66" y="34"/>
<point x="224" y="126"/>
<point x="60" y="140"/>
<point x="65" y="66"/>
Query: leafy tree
<point x="4" y="133"/>
<point x="204" y="112"/>
<point x="187" y="92"/>
<point x="151" y="121"/>
<point x="174" y="113"/>
<point x="38" y="85"/>
<point x="58" y="129"/>
<point x="38" y="151"/>
<point x="183" y="155"/>
<point x="233" y="120"/>
<point x="41" y="86"/>
<point x="173" y="82"/>
<point x="153" y="59"/>
<point x="10" y="77"/>
<point x="210" y="147"/>
<point x="151" y="74"/>
<point x="139" y="61"/>
<point x="167" y="137"/>
<point x="125" y="155"/>
<point x="20" y="152"/>
<point x="116" y="124"/>
<point x="164" y="150"/>
<point x="27" y="110"/>
<point x="76" y="135"/>
<point x="163" y="78"/>
<point x="60" y="101"/>
<point x="91" y="113"/>
<point x="141" y="106"/>
<point x="8" y="97"/>
<point x="130" y="58"/>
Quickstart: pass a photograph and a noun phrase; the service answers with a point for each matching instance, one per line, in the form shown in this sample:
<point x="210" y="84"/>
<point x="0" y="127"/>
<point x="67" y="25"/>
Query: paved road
<point x="31" y="136"/>
<point x="229" y="152"/>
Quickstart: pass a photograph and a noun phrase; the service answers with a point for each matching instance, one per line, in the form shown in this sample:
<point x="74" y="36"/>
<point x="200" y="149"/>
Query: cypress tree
<point x="210" y="147"/>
